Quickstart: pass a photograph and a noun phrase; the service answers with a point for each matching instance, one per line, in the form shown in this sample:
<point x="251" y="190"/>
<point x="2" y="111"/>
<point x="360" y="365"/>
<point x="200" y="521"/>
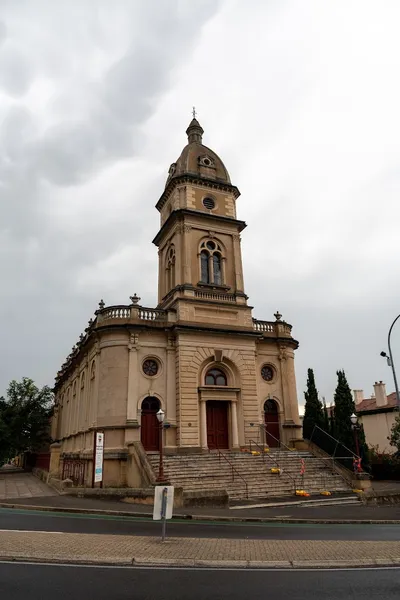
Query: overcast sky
<point x="300" y="99"/>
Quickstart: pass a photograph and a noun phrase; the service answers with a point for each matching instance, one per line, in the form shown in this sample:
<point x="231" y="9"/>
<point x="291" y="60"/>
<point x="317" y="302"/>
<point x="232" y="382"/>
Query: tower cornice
<point x="178" y="215"/>
<point x="193" y="179"/>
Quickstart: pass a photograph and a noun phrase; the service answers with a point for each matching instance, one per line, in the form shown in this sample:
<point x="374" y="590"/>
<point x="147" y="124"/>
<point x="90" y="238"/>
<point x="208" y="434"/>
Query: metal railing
<point x="75" y="470"/>
<point x="276" y="463"/>
<point x="264" y="429"/>
<point x="335" y="448"/>
<point x="305" y="462"/>
<point x="233" y="468"/>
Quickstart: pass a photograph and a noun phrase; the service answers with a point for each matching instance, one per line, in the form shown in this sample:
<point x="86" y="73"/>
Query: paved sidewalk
<point x="20" y="486"/>
<point x="112" y="549"/>
<point x="323" y="514"/>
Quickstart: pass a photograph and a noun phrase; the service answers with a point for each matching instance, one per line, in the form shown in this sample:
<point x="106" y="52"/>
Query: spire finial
<point x="195" y="130"/>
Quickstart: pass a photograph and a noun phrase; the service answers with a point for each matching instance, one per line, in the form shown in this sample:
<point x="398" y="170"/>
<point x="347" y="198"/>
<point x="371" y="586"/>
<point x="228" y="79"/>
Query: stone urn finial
<point x="278" y="315"/>
<point x="101" y="304"/>
<point x="135" y="299"/>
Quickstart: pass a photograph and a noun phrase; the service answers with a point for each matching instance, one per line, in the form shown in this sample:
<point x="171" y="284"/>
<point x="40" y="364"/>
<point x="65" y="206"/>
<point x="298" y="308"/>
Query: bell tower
<point x="200" y="263"/>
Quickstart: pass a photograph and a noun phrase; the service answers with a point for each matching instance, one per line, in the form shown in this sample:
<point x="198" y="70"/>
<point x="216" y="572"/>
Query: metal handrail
<point x="293" y="479"/>
<point x="308" y="459"/>
<point x="264" y="427"/>
<point x="234" y="470"/>
<point x="335" y="440"/>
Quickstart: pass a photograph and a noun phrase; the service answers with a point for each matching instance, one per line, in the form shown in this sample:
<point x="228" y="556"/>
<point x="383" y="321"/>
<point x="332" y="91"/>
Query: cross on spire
<point x="194" y="112"/>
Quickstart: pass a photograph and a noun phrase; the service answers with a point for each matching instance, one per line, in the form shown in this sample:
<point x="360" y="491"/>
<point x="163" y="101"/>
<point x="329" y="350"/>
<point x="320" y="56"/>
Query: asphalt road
<point x="46" y="582"/>
<point x="49" y="521"/>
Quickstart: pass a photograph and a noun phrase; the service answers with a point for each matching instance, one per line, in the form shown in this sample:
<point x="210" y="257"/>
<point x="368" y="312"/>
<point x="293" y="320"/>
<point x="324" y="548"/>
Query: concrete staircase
<point x="210" y="471"/>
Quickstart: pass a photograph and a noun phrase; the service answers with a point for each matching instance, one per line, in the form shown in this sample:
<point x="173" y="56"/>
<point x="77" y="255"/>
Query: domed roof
<point x="196" y="159"/>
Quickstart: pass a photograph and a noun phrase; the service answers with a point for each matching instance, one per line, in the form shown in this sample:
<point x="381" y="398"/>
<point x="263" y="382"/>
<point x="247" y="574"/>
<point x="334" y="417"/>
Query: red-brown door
<point x="271" y="419"/>
<point x="217" y="425"/>
<point x="150" y="427"/>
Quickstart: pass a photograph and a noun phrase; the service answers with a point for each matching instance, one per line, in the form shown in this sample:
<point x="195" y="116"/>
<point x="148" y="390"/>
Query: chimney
<point x="358" y="396"/>
<point x="380" y="393"/>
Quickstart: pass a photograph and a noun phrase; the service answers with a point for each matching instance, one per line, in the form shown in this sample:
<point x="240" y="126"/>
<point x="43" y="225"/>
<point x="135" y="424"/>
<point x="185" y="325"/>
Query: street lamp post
<point x="160" y="417"/>
<point x="391" y="363"/>
<point x="355" y="426"/>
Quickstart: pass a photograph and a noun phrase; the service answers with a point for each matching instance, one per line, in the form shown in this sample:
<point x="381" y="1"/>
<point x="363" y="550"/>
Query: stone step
<point x="204" y="471"/>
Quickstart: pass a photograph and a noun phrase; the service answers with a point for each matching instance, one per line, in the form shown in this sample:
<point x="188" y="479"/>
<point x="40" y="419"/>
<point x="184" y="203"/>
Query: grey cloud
<point x="3" y="32"/>
<point x="89" y="124"/>
<point x="16" y="72"/>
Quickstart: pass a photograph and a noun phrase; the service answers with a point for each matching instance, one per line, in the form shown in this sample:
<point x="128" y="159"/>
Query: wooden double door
<point x="271" y="421"/>
<point x="150" y="427"/>
<point x="217" y="424"/>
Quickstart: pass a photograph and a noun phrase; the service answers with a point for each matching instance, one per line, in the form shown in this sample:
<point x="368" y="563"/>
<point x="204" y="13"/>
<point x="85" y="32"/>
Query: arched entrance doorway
<point x="150" y="427"/>
<point x="217" y="424"/>
<point x="271" y="421"/>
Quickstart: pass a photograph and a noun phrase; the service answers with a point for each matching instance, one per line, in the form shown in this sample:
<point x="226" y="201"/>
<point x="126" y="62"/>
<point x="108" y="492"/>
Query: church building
<point x="221" y="376"/>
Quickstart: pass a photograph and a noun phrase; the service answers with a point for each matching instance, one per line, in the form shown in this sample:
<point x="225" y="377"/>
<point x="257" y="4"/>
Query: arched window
<point x="271" y="407"/>
<point x="215" y="377"/>
<point x="211" y="270"/>
<point x="217" y="268"/>
<point x="205" y="266"/>
<point x="170" y="265"/>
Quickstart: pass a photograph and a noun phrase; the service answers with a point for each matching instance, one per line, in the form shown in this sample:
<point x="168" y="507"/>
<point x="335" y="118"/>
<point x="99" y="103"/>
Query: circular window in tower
<point x="150" y="367"/>
<point x="209" y="203"/>
<point x="267" y="373"/>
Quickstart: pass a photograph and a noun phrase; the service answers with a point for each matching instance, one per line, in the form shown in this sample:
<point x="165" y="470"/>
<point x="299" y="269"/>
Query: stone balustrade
<point x="130" y="313"/>
<point x="219" y="296"/>
<point x="277" y="328"/>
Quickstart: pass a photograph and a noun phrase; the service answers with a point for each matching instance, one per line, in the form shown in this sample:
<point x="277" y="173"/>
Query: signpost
<point x="163" y="505"/>
<point x="98" y="458"/>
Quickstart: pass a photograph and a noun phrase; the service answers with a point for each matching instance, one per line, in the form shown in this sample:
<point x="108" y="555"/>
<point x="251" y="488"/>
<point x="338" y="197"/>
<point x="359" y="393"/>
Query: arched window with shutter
<point x="211" y="259"/>
<point x="205" y="266"/>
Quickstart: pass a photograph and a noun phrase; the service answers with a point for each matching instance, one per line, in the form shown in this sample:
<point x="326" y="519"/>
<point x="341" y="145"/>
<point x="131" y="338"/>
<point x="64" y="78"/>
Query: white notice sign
<point x="158" y="502"/>
<point x="98" y="457"/>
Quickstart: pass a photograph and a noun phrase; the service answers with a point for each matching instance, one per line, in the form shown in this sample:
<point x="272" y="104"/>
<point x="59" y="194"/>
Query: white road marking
<point x="29" y="531"/>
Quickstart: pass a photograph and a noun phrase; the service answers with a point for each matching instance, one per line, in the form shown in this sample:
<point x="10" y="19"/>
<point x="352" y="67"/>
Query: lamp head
<point x="160" y="416"/>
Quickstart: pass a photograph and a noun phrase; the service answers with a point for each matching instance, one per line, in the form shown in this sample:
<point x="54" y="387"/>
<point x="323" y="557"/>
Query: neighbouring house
<point x="377" y="415"/>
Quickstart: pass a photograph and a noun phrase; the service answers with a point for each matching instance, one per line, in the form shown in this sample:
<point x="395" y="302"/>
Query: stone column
<point x="203" y="424"/>
<point x="238" y="263"/>
<point x="234" y="422"/>
<point x="55" y="451"/>
<point x="133" y="378"/>
<point x="171" y="382"/>
<point x="161" y="276"/>
<point x="187" y="275"/>
<point x="287" y="400"/>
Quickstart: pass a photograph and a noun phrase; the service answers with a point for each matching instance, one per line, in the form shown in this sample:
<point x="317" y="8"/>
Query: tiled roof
<point x="370" y="404"/>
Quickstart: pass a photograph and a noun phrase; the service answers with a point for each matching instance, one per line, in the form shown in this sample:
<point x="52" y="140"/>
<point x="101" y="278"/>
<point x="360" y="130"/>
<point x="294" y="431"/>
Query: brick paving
<point x="125" y="549"/>
<point x="23" y="485"/>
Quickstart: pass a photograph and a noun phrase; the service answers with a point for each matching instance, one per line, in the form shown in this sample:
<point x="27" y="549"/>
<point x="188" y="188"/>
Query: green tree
<point x="394" y="438"/>
<point x="344" y="408"/>
<point x="313" y="413"/>
<point x="24" y="418"/>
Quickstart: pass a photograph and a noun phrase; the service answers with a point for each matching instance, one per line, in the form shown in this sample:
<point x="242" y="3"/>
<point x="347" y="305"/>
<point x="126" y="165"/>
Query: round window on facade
<point x="267" y="373"/>
<point x="150" y="367"/>
<point x="209" y="203"/>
